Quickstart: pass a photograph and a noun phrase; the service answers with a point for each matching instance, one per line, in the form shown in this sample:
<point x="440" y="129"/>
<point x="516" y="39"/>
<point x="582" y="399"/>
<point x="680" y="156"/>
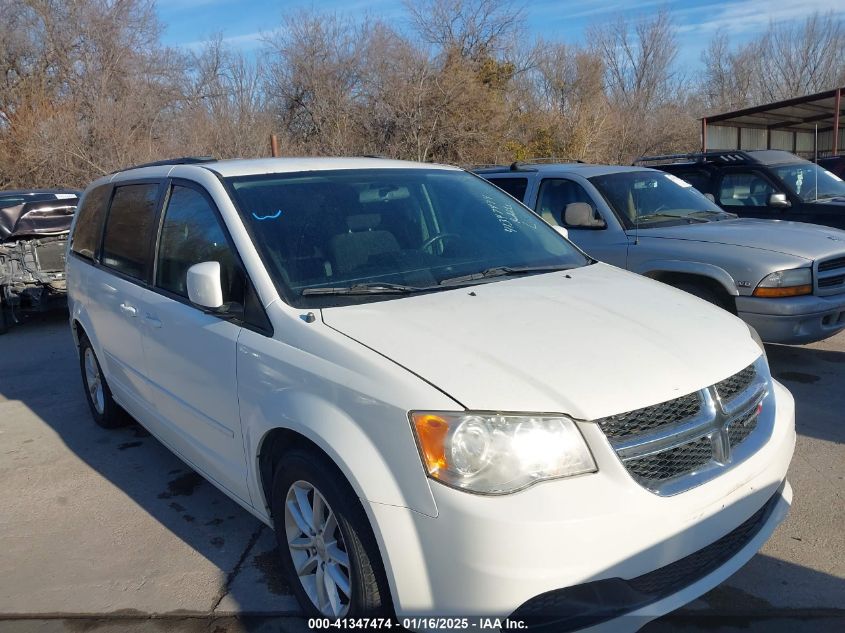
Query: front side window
<point x="191" y="233"/>
<point x="418" y="229"/>
<point x="650" y="198"/>
<point x="745" y="189"/>
<point x="810" y="182"/>
<point x="86" y="235"/>
<point x="129" y="228"/>
<point x="558" y="193"/>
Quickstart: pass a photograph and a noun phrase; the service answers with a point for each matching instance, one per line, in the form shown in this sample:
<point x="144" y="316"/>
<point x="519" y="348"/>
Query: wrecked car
<point x="34" y="226"/>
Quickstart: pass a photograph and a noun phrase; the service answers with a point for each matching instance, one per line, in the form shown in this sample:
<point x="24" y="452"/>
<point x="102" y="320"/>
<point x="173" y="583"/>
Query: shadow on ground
<point x="39" y="367"/>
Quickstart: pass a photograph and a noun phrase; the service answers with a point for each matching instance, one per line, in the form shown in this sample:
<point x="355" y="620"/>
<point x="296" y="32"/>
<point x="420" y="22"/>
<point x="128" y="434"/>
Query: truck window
<point x="556" y="194"/>
<point x="514" y="186"/>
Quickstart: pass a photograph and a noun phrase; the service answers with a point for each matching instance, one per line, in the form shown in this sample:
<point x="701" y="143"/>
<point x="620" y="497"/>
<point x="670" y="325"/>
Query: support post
<point x="704" y="134"/>
<point x="274" y="146"/>
<point x="837" y="106"/>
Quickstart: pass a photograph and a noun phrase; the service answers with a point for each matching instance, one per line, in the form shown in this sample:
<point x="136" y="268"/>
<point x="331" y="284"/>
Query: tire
<point x="106" y="412"/>
<point x="304" y="473"/>
<point x="703" y="292"/>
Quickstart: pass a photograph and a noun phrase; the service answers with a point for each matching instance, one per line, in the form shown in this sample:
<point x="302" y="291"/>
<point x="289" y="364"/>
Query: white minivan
<point x="445" y="409"/>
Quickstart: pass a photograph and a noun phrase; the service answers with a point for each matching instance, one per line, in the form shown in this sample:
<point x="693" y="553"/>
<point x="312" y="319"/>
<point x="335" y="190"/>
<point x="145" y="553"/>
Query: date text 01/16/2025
<point x="490" y="624"/>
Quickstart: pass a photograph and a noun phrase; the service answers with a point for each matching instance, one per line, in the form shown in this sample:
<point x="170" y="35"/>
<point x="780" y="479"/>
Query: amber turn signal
<point x="789" y="291"/>
<point x="431" y="431"/>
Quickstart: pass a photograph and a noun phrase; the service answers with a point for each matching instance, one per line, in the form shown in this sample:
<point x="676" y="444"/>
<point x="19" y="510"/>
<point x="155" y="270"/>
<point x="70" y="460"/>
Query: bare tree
<point x="474" y="29"/>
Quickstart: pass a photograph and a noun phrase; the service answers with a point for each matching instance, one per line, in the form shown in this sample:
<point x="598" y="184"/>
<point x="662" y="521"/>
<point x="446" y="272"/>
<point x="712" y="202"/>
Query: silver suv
<point x="786" y="279"/>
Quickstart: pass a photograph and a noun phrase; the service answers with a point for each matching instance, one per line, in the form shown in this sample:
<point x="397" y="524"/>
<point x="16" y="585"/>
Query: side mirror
<point x="779" y="201"/>
<point x="581" y="215"/>
<point x="562" y="231"/>
<point x="710" y="197"/>
<point x="204" y="287"/>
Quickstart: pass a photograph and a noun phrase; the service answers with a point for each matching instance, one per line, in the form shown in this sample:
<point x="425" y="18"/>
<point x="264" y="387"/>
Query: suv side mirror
<point x="204" y="287"/>
<point x="779" y="201"/>
<point x="581" y="215"/>
<point x="562" y="230"/>
<point x="710" y="197"/>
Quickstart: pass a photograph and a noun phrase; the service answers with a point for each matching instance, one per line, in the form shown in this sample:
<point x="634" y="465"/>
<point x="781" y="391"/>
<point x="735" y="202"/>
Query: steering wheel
<point x="437" y="238"/>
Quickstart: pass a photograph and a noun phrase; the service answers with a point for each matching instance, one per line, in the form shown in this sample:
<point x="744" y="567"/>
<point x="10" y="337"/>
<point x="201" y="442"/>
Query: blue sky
<point x="242" y="22"/>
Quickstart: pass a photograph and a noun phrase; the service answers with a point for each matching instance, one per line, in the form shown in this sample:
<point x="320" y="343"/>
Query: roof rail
<point x="547" y="159"/>
<point x="185" y="160"/>
<point x="734" y="156"/>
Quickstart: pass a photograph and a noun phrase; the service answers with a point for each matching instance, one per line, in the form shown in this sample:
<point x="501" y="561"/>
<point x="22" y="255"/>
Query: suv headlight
<point x="497" y="453"/>
<point x="786" y="283"/>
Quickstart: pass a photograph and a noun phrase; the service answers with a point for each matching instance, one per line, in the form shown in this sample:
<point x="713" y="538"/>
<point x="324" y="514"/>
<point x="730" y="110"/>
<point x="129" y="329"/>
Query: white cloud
<point x="750" y="16"/>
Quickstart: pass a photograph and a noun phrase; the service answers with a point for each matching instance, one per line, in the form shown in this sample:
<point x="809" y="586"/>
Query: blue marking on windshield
<point x="273" y="216"/>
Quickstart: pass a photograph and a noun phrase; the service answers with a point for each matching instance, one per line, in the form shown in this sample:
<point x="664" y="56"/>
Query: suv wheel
<point x="107" y="413"/>
<point x="703" y="292"/>
<point x="327" y="547"/>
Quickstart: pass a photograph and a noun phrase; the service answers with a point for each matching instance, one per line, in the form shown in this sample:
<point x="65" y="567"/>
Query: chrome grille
<point x="672" y="446"/>
<point x="671" y="463"/>
<point x="830" y="275"/>
<point x="730" y="387"/>
<point x="648" y="418"/>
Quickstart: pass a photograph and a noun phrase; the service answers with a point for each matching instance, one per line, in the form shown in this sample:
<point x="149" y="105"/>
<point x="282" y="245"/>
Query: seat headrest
<point x="363" y="222"/>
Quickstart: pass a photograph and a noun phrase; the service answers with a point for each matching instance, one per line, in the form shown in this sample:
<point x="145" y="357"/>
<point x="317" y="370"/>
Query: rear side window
<point x="129" y="227"/>
<point x="514" y="186"/>
<point x="86" y="235"/>
<point x="192" y="233"/>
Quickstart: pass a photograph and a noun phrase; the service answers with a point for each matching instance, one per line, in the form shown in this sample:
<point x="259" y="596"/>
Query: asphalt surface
<point x="108" y="531"/>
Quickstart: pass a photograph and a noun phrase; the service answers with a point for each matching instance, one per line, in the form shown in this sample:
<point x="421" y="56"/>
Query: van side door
<point x="116" y="288"/>
<point x="190" y="352"/>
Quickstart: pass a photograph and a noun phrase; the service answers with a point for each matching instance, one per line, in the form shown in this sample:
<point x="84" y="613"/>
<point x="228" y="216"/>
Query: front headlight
<point x="786" y="283"/>
<point x="497" y="453"/>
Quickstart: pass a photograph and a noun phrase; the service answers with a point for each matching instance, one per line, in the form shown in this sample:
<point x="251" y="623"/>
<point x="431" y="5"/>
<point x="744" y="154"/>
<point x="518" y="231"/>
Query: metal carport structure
<point x="808" y="126"/>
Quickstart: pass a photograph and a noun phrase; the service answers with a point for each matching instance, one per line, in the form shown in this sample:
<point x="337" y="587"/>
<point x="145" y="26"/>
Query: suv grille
<point x="675" y="445"/>
<point x="830" y="275"/>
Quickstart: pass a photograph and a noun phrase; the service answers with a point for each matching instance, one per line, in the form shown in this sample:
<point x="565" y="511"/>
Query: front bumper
<point x="793" y="320"/>
<point x="486" y="556"/>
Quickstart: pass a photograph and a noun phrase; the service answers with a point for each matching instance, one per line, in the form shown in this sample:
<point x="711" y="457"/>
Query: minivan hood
<point x="808" y="241"/>
<point x="589" y="342"/>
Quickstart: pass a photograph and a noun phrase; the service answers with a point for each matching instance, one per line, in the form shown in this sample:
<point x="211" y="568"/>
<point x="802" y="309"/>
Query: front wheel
<point x="703" y="292"/>
<point x="325" y="541"/>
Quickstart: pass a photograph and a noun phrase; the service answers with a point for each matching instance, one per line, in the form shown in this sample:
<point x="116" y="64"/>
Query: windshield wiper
<point x="674" y="216"/>
<point x="502" y="271"/>
<point x="712" y="212"/>
<point x="376" y="288"/>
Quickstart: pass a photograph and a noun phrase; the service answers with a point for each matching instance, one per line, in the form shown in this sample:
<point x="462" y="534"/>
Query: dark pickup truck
<point x="770" y="184"/>
<point x="34" y="226"/>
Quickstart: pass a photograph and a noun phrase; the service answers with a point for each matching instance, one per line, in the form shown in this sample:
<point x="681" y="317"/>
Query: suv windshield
<point x="651" y="198"/>
<point x="803" y="179"/>
<point x="361" y="235"/>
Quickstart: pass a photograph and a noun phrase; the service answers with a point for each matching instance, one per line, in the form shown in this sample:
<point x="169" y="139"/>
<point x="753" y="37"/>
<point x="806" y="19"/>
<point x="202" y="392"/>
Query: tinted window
<point x="697" y="179"/>
<point x="191" y="233"/>
<point x="129" y="226"/>
<point x="810" y="182"/>
<point x="745" y="189"/>
<point x="556" y="194"/>
<point x="514" y="186"/>
<point x="86" y="235"/>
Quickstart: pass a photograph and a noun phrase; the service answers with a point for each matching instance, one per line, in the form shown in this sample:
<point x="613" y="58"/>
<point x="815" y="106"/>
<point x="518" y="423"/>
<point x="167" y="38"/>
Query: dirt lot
<point x="108" y="531"/>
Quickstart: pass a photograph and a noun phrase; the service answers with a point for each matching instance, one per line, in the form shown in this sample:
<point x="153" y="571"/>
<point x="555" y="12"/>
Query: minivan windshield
<point x="810" y="182"/>
<point x="347" y="236"/>
<point x="651" y="198"/>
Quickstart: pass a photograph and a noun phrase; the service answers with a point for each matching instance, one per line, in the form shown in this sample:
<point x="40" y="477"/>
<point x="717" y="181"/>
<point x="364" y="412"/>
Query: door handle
<point x="152" y="320"/>
<point x="128" y="309"/>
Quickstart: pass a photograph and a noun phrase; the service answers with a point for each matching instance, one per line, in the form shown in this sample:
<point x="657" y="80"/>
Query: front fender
<point x="357" y="415"/>
<point x="650" y="268"/>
